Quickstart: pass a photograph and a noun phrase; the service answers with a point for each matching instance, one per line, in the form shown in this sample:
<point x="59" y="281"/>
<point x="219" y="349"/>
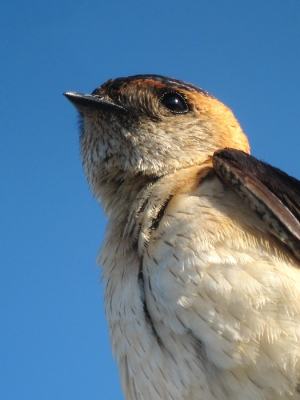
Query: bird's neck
<point x="134" y="206"/>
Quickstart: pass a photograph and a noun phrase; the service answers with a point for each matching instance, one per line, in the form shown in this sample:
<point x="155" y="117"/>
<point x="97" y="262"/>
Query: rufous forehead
<point x="148" y="83"/>
<point x="142" y="84"/>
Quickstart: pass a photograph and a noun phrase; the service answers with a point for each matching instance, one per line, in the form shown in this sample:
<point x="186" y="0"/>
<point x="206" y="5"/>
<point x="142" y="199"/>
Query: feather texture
<point x="202" y="249"/>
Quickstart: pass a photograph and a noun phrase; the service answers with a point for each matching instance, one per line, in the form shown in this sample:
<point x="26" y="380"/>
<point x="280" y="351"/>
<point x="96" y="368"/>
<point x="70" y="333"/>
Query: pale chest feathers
<point x="204" y="306"/>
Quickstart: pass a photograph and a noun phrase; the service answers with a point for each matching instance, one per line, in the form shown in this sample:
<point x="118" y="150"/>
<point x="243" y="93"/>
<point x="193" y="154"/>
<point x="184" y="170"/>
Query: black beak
<point x="87" y="101"/>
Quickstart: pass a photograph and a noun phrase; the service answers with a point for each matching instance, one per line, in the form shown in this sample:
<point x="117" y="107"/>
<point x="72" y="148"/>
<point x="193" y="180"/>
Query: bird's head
<point x="150" y="126"/>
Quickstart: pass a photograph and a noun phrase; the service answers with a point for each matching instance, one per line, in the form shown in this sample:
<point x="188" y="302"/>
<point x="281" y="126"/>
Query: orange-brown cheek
<point x="226" y="131"/>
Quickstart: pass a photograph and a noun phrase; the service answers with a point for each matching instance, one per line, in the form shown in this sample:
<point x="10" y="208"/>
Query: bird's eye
<point x="174" y="102"/>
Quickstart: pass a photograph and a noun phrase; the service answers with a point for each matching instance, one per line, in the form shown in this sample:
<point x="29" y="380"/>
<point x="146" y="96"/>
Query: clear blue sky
<point x="53" y="336"/>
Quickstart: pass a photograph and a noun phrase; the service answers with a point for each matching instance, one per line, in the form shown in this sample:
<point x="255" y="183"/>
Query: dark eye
<point x="174" y="102"/>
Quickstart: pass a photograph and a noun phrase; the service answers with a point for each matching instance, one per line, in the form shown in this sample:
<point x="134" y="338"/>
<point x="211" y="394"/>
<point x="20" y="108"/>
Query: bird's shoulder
<point x="272" y="194"/>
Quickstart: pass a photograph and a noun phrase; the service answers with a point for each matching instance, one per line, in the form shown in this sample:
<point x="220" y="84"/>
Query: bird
<point x="201" y="254"/>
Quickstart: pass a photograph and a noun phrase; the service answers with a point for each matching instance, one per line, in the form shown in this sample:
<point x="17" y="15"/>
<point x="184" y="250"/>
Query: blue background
<point x="53" y="335"/>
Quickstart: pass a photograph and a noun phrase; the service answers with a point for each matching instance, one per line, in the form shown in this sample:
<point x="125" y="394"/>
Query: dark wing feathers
<point x="271" y="193"/>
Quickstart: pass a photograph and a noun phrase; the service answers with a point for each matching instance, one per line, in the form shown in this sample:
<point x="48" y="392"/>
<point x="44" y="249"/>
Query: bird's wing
<point x="272" y="194"/>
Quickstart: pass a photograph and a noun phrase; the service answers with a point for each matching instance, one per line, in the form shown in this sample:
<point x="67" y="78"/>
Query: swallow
<point x="202" y="249"/>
